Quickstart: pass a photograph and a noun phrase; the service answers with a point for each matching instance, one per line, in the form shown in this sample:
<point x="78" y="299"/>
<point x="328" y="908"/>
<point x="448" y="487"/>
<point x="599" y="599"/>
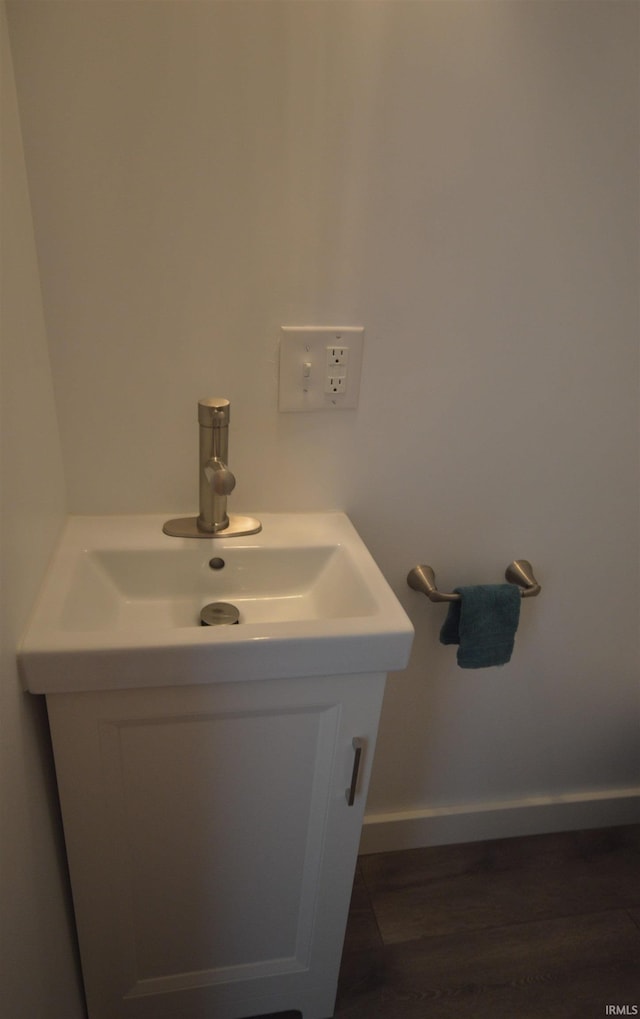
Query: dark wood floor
<point x="544" y="927"/>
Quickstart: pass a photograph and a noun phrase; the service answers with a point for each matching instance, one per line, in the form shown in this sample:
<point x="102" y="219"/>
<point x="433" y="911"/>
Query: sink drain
<point x="219" y="613"/>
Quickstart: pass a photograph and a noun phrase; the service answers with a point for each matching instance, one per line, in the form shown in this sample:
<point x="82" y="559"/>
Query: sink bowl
<point x="120" y="606"/>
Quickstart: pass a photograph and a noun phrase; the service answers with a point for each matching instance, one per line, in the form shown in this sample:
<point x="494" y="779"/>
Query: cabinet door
<point x="211" y="844"/>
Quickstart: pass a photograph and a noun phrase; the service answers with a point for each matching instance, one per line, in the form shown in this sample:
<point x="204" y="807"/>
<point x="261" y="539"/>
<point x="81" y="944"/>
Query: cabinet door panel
<point x="210" y="842"/>
<point x="246" y="794"/>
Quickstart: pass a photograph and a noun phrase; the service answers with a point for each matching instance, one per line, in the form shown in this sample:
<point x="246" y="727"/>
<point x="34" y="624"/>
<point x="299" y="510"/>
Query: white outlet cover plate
<point x="300" y="345"/>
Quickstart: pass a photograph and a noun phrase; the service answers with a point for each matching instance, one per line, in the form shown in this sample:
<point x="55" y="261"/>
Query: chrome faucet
<point x="216" y="481"/>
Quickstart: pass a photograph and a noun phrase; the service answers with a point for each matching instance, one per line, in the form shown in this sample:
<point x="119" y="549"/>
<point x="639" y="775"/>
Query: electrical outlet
<point x="336" y="384"/>
<point x="337" y="356"/>
<point x="320" y="367"/>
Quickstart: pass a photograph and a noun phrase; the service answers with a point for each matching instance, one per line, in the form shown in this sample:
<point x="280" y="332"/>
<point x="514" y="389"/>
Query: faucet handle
<point x="220" y="478"/>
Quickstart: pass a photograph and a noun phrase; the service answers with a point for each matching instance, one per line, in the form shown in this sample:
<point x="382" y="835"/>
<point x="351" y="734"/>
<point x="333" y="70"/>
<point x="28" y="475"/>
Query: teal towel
<point x="483" y="623"/>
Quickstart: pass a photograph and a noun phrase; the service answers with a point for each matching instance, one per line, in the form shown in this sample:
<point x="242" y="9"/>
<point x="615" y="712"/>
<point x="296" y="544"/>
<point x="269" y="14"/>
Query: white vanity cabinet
<point x="202" y="769"/>
<point x="210" y="841"/>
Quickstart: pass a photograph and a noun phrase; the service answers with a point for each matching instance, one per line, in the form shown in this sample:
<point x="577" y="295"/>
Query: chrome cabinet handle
<point x="350" y="793"/>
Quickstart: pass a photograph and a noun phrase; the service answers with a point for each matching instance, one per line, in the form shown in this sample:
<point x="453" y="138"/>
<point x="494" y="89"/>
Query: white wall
<point x="461" y="179"/>
<point x="39" y="975"/>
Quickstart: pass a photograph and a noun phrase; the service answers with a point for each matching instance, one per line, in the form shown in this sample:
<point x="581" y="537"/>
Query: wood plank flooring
<point x="543" y="927"/>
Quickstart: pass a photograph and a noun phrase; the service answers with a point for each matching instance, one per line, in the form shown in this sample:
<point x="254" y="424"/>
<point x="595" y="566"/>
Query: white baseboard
<point x="475" y="822"/>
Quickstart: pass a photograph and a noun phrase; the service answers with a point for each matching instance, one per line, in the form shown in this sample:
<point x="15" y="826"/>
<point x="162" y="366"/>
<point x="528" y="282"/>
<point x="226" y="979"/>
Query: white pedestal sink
<point x="212" y="779"/>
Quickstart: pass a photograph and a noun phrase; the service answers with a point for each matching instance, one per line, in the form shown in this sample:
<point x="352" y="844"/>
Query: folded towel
<point x="483" y="623"/>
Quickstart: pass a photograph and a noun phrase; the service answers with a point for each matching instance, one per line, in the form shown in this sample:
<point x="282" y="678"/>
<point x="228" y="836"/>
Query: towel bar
<point x="520" y="571"/>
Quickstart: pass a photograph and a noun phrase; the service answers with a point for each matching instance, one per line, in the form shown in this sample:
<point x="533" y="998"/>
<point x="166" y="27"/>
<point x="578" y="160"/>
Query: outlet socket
<point x="336" y="384"/>
<point x="337" y="356"/>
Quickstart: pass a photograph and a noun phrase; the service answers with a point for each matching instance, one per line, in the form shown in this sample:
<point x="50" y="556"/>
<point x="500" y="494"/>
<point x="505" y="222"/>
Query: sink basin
<point x="120" y="606"/>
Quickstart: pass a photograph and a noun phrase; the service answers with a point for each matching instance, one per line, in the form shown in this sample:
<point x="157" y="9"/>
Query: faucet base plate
<point x="187" y="527"/>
